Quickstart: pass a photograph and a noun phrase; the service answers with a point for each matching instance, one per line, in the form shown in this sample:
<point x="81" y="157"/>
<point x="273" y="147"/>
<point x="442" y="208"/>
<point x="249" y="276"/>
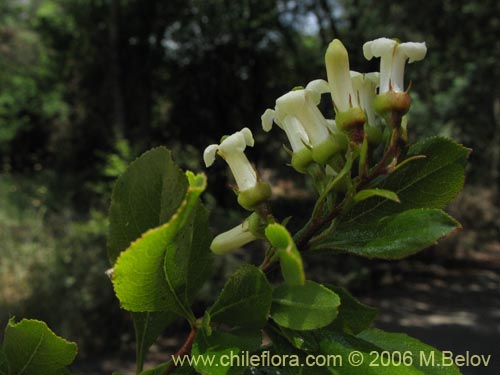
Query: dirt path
<point x="454" y="306"/>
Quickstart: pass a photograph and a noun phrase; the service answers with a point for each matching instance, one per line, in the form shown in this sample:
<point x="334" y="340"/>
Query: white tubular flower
<point x="292" y="127"/>
<point x="251" y="191"/>
<point x="393" y="56"/>
<point x="232" y="150"/>
<point x="339" y="79"/>
<point x="232" y="239"/>
<point x="302" y="105"/>
<point x="297" y="136"/>
<point x="365" y="86"/>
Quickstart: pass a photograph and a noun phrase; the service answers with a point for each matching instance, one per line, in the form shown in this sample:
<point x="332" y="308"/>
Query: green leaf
<point x="163" y="269"/>
<point x="245" y="300"/>
<point x="292" y="267"/>
<point x="148" y="326"/>
<point x="295" y="358"/>
<point x="304" y="307"/>
<point x="144" y="197"/>
<point x="425" y="358"/>
<point x="353" y="316"/>
<point x="343" y="345"/>
<point x="370" y="193"/>
<point x="393" y="237"/>
<point x="4" y="365"/>
<point x="32" y="348"/>
<point x="430" y="182"/>
<point x="209" y="350"/>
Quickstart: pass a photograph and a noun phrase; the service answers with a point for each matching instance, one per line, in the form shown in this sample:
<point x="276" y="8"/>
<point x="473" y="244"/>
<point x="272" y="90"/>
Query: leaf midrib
<point x="405" y="187"/>
<point x="35" y="350"/>
<point x="241" y="301"/>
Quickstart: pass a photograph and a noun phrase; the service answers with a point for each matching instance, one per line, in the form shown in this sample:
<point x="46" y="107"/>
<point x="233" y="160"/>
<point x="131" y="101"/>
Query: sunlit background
<point x="87" y="85"/>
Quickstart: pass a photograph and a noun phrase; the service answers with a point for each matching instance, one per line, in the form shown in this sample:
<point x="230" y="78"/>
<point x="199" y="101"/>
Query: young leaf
<point x="430" y="182"/>
<point x="245" y="300"/>
<point x="426" y="358"/>
<point x="292" y="268"/>
<point x="353" y="316"/>
<point x="31" y="348"/>
<point x="393" y="237"/>
<point x="213" y="352"/>
<point x="145" y="276"/>
<point x="144" y="197"/>
<point x="304" y="307"/>
<point x="147" y="327"/>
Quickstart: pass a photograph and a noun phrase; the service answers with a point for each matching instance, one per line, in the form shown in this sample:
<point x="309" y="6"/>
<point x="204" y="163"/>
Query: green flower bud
<point x="249" y="199"/>
<point x="301" y="160"/>
<point x="328" y="148"/>
<point x="392" y="102"/>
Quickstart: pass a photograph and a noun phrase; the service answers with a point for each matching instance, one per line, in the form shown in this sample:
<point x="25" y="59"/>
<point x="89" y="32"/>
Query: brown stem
<point x="380" y="168"/>
<point x="184" y="349"/>
<point x="317" y="224"/>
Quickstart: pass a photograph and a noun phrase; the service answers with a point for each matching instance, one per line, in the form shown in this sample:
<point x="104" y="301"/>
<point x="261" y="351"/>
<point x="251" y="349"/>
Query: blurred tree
<point x="79" y="77"/>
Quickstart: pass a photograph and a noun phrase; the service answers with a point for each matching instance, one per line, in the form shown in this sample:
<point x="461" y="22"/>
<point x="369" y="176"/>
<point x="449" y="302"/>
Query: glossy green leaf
<point x="426" y="358"/>
<point x="245" y="300"/>
<point x="353" y="316"/>
<point x="32" y="348"/>
<point x="365" y="357"/>
<point x="430" y="182"/>
<point x="304" y="307"/>
<point x="148" y="326"/>
<point x="291" y="264"/>
<point x="211" y="352"/>
<point x="370" y="193"/>
<point x="163" y="269"/>
<point x="393" y="237"/>
<point x="144" y="197"/>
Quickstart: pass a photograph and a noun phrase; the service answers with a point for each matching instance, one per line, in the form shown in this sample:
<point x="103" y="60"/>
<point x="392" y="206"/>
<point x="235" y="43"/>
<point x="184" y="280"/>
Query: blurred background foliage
<point x="87" y="85"/>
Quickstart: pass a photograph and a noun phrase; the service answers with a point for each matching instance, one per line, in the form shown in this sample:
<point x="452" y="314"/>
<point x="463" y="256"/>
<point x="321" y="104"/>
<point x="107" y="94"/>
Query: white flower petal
<point x="232" y="239"/>
<point x="414" y="51"/>
<point x="209" y="155"/>
<point x="357" y="80"/>
<point x="383" y="48"/>
<point x="291" y="102"/>
<point x="318" y="85"/>
<point x="332" y="125"/>
<point x="295" y="132"/>
<point x="373" y="77"/>
<point x="236" y="142"/>
<point x="248" y="136"/>
<point x="267" y="119"/>
<point x="379" y="47"/>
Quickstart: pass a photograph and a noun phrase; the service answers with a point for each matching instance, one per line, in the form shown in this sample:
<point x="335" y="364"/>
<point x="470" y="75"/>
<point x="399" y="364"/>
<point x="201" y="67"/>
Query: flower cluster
<point x="315" y="140"/>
